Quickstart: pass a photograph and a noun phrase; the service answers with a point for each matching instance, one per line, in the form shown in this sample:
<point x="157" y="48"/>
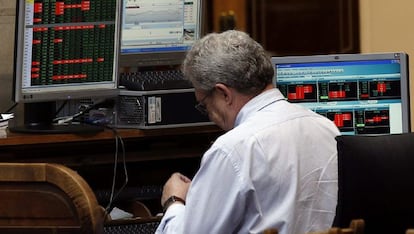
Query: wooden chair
<point x="47" y="198"/>
<point x="271" y="231"/>
<point x="357" y="226"/>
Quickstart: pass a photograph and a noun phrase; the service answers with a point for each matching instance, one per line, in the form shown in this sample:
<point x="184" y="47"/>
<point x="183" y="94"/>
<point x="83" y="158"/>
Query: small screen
<point x="360" y="93"/>
<point x="158" y="31"/>
<point x="65" y="49"/>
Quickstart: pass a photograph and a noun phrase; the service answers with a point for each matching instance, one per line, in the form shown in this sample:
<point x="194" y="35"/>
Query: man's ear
<point x="225" y="91"/>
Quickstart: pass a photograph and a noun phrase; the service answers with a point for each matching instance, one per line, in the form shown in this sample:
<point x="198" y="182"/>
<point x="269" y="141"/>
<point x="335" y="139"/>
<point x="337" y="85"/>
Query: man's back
<point x="286" y="159"/>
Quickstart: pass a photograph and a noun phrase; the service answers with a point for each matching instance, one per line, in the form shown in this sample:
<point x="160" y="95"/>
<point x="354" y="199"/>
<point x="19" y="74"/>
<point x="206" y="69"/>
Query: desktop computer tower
<point x="158" y="109"/>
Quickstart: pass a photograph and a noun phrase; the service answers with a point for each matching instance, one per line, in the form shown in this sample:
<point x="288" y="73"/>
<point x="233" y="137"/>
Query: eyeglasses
<point x="201" y="106"/>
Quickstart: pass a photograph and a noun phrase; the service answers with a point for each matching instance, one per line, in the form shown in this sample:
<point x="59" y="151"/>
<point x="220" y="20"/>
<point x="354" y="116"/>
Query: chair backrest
<point x="270" y="231"/>
<point x="46" y="198"/>
<point x="376" y="182"/>
<point x="357" y="226"/>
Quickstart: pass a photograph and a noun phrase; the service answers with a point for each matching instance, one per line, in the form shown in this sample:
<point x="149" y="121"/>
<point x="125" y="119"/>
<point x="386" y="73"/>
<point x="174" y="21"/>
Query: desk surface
<point x="151" y="155"/>
<point x="99" y="148"/>
<point x="15" y="139"/>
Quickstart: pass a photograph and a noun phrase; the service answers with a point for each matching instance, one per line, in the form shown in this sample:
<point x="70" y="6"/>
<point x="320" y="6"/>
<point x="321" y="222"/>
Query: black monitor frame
<point x="40" y="99"/>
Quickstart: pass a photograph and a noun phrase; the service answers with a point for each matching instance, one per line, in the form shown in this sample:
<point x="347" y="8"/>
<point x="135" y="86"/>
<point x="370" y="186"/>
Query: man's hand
<point x="176" y="185"/>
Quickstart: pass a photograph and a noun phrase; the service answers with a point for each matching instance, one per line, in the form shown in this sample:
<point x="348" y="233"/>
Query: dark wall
<point x="303" y="27"/>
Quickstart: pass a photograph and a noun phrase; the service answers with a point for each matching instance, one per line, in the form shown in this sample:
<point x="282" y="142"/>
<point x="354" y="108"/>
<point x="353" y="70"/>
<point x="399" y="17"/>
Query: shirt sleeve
<point x="174" y="214"/>
<point x="214" y="202"/>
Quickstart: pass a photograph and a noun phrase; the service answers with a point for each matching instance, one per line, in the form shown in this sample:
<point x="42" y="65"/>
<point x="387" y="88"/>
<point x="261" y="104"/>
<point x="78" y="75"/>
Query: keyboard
<point x="131" y="226"/>
<point x="154" y="80"/>
<point x="131" y="193"/>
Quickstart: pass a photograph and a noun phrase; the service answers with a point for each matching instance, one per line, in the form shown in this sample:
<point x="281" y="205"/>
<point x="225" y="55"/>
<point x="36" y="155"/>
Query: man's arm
<point x="214" y="203"/>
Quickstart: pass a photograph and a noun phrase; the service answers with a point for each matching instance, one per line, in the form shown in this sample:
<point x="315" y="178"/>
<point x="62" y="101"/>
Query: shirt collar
<point x="258" y="103"/>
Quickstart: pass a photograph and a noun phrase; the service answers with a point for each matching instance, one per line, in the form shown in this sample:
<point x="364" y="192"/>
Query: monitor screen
<point x="360" y="93"/>
<point x="65" y="50"/>
<point x="158" y="32"/>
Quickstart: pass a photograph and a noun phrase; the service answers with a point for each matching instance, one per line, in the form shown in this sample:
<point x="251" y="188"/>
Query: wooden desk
<point x="151" y="155"/>
<point x="29" y="139"/>
<point x="150" y="144"/>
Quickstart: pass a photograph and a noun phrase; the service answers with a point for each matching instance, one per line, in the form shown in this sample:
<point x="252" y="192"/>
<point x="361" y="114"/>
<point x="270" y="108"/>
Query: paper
<point x="117" y="213"/>
<point x="5" y="117"/>
<point x="4" y="123"/>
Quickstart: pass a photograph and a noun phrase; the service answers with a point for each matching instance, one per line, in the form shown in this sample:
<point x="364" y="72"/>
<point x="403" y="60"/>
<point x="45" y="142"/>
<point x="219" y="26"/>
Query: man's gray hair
<point x="232" y="58"/>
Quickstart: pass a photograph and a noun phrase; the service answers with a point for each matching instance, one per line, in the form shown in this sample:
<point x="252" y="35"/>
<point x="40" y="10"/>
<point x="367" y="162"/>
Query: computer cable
<point x="61" y="107"/>
<point x="11" y="108"/>
<point x="70" y="118"/>
<point x="113" y="196"/>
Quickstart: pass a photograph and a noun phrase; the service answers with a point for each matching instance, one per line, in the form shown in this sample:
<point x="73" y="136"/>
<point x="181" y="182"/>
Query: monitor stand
<point x="38" y="119"/>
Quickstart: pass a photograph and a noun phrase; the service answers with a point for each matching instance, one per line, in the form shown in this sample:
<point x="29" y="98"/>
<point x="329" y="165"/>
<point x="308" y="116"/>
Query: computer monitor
<point x="360" y="93"/>
<point x="63" y="50"/>
<point x="158" y="32"/>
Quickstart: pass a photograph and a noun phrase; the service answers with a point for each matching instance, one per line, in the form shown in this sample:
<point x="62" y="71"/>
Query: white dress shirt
<point x="276" y="168"/>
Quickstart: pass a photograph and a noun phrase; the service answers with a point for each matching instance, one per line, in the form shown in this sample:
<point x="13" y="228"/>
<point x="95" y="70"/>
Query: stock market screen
<point x="360" y="93"/>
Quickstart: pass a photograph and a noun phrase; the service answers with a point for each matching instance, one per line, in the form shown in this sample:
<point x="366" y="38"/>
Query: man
<point x="276" y="165"/>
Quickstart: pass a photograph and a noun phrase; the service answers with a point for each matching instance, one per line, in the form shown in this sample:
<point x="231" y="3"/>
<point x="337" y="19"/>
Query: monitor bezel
<point x="404" y="70"/>
<point x="59" y="92"/>
<point x="160" y="58"/>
